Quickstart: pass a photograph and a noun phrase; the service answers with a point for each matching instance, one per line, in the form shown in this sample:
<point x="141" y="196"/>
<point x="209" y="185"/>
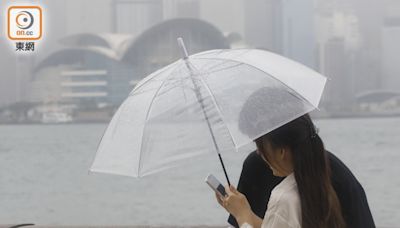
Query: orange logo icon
<point x="24" y="23"/>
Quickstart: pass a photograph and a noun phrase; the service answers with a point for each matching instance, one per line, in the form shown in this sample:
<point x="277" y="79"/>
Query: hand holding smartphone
<point x="213" y="182"/>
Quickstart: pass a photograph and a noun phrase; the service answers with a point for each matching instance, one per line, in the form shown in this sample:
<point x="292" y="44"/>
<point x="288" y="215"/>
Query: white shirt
<point x="284" y="210"/>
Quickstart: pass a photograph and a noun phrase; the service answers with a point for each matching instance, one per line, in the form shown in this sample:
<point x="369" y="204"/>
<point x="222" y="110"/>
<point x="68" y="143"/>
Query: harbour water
<point x="44" y="177"/>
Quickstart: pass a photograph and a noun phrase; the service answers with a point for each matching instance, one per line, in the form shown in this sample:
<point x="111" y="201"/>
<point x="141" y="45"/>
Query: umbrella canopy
<point x="214" y="101"/>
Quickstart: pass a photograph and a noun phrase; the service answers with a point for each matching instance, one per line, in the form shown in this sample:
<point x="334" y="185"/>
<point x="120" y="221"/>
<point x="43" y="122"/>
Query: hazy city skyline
<point x="351" y="42"/>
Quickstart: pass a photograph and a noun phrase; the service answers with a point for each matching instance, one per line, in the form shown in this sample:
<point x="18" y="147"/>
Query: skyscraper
<point x="390" y="47"/>
<point x="136" y="16"/>
<point x="282" y="26"/>
<point x="181" y="8"/>
<point x="298" y="35"/>
<point x="262" y="24"/>
<point x="8" y="81"/>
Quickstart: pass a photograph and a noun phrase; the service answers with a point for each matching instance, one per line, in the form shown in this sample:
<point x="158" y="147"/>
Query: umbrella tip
<point x="183" y="48"/>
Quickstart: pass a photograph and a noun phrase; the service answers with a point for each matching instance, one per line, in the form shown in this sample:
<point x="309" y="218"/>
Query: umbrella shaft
<point x="200" y="100"/>
<point x="223" y="167"/>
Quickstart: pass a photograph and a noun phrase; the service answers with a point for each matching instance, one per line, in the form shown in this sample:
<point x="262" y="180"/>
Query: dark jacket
<point x="256" y="183"/>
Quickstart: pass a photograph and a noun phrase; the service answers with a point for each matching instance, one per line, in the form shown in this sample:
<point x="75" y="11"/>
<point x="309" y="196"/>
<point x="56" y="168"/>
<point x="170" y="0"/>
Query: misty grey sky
<point x="368" y="31"/>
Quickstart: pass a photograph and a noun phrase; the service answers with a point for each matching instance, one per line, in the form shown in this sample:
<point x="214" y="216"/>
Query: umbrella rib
<point x="284" y="84"/>
<point x="149" y="90"/>
<point x="217" y="107"/>
<point x="213" y="69"/>
<point x="155" y="75"/>
<point x="147" y="116"/>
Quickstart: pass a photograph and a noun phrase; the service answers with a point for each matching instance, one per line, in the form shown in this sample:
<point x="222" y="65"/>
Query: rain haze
<point x="58" y="94"/>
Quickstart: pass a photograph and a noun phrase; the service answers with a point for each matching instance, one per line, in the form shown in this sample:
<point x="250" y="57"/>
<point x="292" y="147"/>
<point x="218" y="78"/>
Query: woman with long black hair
<point x="305" y="198"/>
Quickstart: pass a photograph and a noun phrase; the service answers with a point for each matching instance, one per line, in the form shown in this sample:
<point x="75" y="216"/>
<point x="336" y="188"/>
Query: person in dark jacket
<point x="257" y="181"/>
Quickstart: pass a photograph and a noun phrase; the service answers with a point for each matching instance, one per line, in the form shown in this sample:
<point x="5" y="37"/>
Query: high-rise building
<point x="390" y="47"/>
<point x="338" y="95"/>
<point x="339" y="54"/>
<point x="15" y="74"/>
<point x="181" y="8"/>
<point x="390" y="54"/>
<point x="371" y="20"/>
<point x="226" y="15"/>
<point x="263" y="21"/>
<point x="298" y="34"/>
<point x="8" y="80"/>
<point x="136" y="16"/>
<point x="285" y="27"/>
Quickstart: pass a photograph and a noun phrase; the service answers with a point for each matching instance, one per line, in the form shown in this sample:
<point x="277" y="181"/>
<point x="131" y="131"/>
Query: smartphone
<point x="215" y="184"/>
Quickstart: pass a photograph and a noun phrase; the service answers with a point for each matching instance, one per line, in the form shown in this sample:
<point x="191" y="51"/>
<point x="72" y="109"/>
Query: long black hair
<point x="267" y="107"/>
<point x="320" y="207"/>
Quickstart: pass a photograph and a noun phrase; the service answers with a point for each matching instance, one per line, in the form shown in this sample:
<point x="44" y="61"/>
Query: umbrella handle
<point x="223" y="167"/>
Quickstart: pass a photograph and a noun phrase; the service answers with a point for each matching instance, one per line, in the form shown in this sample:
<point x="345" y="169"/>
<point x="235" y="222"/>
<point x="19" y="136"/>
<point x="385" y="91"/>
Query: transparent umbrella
<point x="216" y="101"/>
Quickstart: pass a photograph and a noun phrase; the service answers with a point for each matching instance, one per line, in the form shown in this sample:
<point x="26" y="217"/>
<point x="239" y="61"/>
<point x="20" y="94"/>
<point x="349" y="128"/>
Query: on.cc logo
<point x="24" y="20"/>
<point x="24" y="23"/>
